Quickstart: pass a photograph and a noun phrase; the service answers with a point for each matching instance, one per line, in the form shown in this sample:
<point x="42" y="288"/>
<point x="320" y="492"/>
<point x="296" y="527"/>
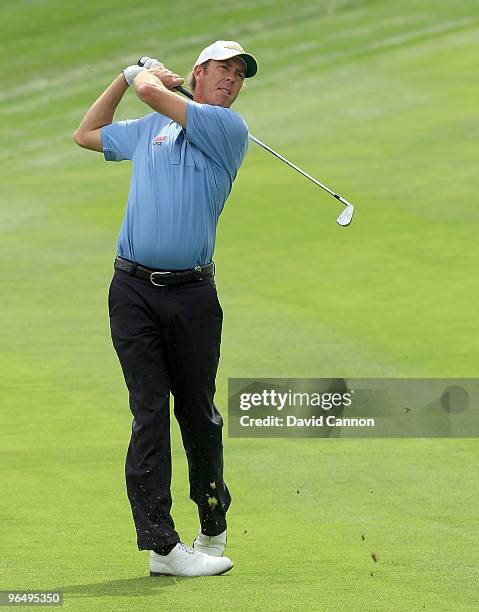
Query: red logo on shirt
<point x="159" y="139"/>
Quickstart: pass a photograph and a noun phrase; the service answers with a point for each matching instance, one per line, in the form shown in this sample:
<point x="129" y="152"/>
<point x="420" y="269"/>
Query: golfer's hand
<point x="133" y="71"/>
<point x="169" y="79"/>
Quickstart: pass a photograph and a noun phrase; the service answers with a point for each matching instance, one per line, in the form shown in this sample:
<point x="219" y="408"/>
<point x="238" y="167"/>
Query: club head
<point x="346" y="216"/>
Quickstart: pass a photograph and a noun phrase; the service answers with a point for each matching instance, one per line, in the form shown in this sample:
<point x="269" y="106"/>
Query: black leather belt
<point x="162" y="278"/>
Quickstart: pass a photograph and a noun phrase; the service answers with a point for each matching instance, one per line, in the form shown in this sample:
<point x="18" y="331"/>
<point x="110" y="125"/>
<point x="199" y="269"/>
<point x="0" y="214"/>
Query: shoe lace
<point x="186" y="548"/>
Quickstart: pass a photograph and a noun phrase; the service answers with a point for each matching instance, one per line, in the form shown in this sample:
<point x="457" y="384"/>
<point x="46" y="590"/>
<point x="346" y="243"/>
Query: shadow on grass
<point x="141" y="586"/>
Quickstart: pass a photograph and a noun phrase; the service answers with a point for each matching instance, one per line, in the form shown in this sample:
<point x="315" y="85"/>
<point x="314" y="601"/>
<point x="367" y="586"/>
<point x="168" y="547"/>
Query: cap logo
<point x="235" y="47"/>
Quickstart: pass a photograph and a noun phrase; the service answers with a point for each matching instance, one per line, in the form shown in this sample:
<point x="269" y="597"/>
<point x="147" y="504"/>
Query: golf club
<point x="344" y="218"/>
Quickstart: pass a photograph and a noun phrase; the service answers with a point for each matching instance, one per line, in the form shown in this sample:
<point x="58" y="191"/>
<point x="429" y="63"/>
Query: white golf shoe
<point x="185" y="561"/>
<point x="211" y="545"/>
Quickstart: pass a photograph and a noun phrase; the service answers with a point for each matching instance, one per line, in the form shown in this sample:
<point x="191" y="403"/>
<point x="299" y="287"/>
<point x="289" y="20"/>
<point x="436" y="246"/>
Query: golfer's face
<point x="223" y="80"/>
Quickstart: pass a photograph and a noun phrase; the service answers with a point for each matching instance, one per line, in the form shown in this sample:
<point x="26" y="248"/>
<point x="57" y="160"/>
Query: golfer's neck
<point x="199" y="97"/>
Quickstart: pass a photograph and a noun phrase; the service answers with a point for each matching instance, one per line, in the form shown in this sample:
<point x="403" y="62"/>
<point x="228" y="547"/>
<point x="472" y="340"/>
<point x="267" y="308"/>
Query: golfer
<point x="165" y="316"/>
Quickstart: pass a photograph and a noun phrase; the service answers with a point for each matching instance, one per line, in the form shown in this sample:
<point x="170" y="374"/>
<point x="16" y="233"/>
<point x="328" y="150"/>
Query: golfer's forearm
<point x="152" y="91"/>
<point x="100" y="113"/>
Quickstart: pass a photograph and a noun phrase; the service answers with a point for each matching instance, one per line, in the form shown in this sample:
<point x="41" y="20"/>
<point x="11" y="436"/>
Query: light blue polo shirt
<point x="179" y="183"/>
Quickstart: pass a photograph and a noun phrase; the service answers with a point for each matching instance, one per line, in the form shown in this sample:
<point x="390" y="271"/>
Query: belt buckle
<point x="159" y="274"/>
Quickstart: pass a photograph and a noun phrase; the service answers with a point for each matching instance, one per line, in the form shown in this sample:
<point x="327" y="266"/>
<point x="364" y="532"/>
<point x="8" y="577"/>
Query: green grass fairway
<point x="378" y="100"/>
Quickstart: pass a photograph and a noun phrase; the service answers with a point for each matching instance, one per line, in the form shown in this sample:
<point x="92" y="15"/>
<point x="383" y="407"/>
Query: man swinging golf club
<point x="165" y="316"/>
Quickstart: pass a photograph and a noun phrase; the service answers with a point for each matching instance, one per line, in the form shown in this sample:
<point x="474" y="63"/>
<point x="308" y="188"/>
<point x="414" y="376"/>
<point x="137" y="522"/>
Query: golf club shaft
<point x="188" y="94"/>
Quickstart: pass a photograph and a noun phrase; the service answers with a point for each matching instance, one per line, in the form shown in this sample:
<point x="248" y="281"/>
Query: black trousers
<point x="168" y="342"/>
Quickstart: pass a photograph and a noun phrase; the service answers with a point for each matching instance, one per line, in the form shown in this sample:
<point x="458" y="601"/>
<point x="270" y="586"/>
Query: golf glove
<point x="131" y="72"/>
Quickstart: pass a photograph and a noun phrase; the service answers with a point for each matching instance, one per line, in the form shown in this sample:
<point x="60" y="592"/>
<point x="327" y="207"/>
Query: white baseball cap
<point x="224" y="49"/>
